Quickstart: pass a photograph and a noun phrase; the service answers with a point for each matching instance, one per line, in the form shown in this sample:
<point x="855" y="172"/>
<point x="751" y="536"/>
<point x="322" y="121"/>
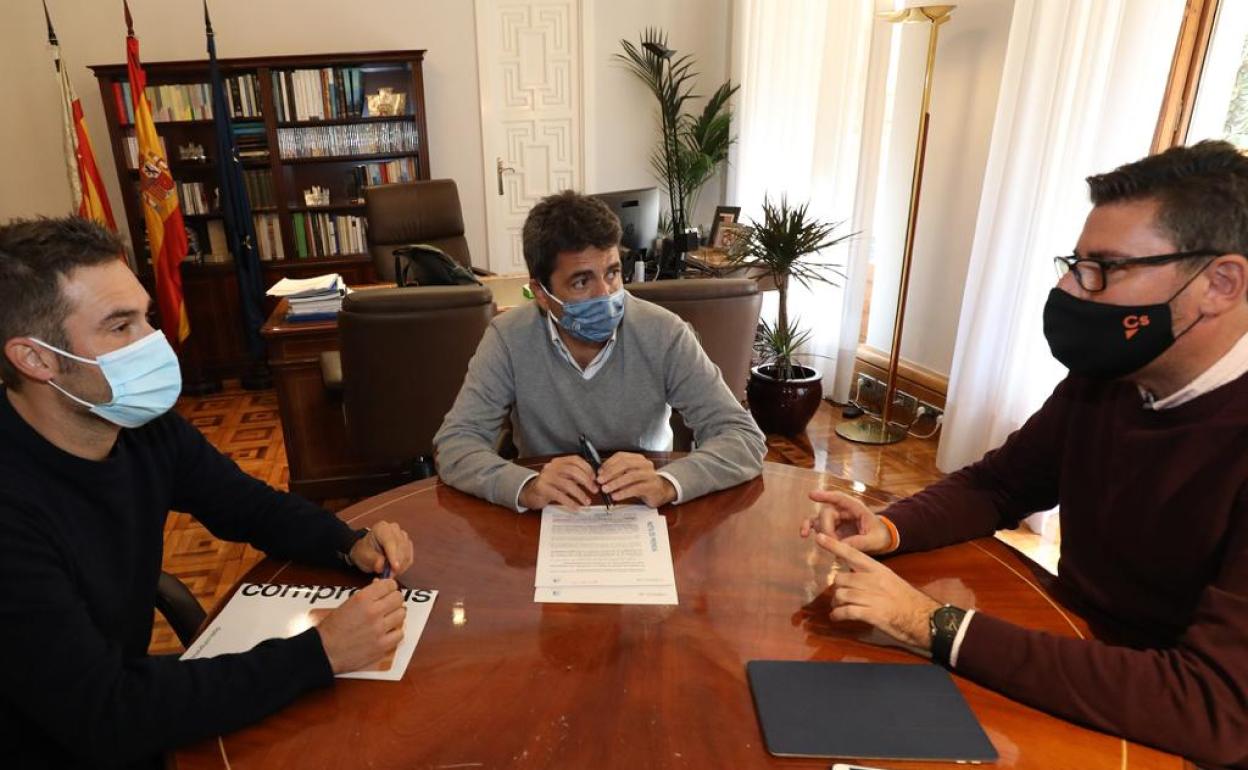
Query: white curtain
<point x="1080" y="94"/>
<point x="803" y="74"/>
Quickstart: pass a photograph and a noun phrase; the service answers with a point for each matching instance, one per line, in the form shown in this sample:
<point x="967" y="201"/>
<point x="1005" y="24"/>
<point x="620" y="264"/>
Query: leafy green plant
<point x="781" y="245"/>
<point x="691" y="147"/>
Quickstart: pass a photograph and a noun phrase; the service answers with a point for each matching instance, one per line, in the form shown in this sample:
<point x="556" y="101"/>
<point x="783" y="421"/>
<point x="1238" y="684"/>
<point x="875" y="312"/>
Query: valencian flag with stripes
<point x="166" y="235"/>
<point x="236" y="209"/>
<point x="85" y="182"/>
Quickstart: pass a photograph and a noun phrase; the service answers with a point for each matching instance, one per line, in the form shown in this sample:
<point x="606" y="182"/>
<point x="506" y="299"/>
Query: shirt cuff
<point x="680" y="493"/>
<point x="958" y="637"/>
<point x="520" y="508"/>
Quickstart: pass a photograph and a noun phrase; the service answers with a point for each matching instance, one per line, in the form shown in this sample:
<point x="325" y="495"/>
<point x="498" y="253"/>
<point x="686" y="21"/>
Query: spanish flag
<point x="85" y="182"/>
<point x="166" y="236"/>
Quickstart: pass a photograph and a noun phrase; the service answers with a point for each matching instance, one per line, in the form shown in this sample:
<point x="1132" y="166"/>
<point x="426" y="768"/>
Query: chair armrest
<point x="331" y="370"/>
<point x="180" y="607"/>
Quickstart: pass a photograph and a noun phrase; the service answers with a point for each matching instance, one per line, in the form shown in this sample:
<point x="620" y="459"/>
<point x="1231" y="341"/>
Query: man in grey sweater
<point x="588" y="359"/>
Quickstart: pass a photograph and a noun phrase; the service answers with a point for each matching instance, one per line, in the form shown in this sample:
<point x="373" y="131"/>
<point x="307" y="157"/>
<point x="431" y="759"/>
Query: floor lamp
<point x="879" y="430"/>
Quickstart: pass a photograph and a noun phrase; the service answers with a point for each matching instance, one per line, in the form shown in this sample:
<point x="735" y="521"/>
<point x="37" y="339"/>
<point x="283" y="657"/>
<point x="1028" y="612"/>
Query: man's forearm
<point x="1182" y="700"/>
<point x="479" y="471"/>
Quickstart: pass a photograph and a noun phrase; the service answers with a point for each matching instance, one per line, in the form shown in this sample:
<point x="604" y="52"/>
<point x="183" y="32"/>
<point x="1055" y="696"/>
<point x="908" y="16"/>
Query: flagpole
<point x="239" y="223"/>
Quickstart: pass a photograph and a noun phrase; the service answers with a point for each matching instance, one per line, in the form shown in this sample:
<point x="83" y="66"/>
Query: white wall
<point x="967" y="79"/>
<point x="620" y="121"/>
<point x="93" y="32"/>
<point x="623" y="126"/>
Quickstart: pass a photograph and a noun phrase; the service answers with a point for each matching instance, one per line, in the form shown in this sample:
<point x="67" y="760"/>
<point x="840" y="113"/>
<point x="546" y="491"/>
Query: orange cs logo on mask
<point x="1132" y="323"/>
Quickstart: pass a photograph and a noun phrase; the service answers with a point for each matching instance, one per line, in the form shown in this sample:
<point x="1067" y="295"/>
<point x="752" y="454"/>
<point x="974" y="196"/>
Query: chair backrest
<point x="404" y="356"/>
<point x="723" y="313"/>
<point x="414" y="212"/>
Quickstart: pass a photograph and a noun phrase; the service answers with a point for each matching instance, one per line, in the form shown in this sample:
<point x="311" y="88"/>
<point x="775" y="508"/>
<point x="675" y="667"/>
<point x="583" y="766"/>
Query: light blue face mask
<point x="593" y="320"/>
<point x="144" y="377"/>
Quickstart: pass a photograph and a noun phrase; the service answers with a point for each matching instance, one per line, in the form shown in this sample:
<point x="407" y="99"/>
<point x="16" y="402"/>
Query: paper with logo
<point x="600" y="556"/>
<point x="260" y="611"/>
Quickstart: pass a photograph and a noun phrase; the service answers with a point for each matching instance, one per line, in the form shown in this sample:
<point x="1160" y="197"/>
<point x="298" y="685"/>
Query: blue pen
<point x="385" y="572"/>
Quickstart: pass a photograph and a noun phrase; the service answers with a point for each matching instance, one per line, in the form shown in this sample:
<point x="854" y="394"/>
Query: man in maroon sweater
<point x="1144" y="447"/>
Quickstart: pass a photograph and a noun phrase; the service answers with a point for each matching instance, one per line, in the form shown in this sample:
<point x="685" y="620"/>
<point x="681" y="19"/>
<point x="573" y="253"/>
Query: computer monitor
<point x="638" y="211"/>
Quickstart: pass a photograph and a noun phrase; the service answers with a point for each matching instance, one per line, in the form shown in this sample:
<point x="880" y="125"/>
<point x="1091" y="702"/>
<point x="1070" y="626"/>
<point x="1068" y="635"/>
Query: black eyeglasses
<point x="1090" y="273"/>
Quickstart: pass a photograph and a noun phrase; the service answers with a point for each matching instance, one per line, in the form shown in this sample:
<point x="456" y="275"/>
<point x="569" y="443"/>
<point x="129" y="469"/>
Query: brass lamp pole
<point x="879" y="430"/>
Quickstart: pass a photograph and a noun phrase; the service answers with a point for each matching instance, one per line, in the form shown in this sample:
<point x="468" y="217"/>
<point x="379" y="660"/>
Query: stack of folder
<point x="311" y="299"/>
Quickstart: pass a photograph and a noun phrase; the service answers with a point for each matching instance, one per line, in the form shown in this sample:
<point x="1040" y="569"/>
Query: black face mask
<point x="1104" y="341"/>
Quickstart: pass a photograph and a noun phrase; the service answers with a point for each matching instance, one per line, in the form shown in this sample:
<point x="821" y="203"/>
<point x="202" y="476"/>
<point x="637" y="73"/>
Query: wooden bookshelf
<point x="216" y="350"/>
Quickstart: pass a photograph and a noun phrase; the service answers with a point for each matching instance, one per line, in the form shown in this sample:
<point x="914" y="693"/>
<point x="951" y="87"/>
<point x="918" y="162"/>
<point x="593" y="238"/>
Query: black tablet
<point x="865" y="711"/>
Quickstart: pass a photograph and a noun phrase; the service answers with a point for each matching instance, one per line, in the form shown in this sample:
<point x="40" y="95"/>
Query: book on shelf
<point x="357" y="139"/>
<point x="190" y="101"/>
<point x="251" y="140"/>
<point x="326" y="93"/>
<point x="196" y="198"/>
<point x="384" y="172"/>
<point x="320" y="234"/>
<point x="132" y="151"/>
<point x="269" y="236"/>
<point x="218" y="244"/>
<point x="268" y="240"/>
<point x="259" y="184"/>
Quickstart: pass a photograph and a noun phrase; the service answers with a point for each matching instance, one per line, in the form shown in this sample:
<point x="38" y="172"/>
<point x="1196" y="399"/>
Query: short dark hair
<point x="34" y="256"/>
<point x="1201" y="191"/>
<point x="566" y="221"/>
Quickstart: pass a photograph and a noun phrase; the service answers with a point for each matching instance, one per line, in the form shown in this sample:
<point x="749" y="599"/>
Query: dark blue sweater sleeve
<point x="237" y="507"/>
<point x="101" y="706"/>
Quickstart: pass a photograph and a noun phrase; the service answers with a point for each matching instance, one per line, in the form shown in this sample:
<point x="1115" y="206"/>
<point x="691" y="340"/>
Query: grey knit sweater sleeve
<point x="729" y="446"/>
<point x="465" y="446"/>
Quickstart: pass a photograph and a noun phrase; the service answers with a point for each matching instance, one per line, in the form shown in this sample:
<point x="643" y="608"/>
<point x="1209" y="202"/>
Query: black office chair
<point x="180" y="607"/>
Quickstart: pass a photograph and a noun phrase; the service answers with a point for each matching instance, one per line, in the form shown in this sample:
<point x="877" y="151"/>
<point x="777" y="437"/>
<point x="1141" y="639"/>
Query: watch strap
<point x="345" y="553"/>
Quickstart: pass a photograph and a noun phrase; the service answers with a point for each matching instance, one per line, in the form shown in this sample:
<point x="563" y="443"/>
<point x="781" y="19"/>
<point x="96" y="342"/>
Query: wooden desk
<point x="322" y="462"/>
<point x="499" y="681"/>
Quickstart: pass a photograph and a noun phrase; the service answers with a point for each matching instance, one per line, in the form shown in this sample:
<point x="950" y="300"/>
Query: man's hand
<point x="871" y="593"/>
<point x="847" y="519"/>
<point x="365" y="629"/>
<point x="626" y="474"/>
<point x="566" y="481"/>
<point x="384" y="543"/>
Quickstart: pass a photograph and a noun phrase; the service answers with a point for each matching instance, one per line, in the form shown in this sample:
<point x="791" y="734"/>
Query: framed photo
<point x="724" y="215"/>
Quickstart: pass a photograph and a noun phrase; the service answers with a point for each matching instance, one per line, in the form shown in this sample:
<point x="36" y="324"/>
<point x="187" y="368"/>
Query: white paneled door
<point x="529" y="59"/>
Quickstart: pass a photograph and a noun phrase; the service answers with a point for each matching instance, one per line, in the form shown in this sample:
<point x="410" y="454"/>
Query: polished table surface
<point x="499" y="681"/>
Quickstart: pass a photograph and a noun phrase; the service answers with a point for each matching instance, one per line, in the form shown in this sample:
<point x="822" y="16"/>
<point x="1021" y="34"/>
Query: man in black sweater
<point x="91" y="461"/>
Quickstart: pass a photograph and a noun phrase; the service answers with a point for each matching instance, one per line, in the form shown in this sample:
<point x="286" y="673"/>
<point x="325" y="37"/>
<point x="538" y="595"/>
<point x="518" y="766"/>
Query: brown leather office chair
<point x="404" y="354"/>
<point x="415" y="212"/>
<point x="724" y="315"/>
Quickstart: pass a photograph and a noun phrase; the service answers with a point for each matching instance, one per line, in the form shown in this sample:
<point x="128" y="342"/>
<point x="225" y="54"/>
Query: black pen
<point x="591" y="456"/>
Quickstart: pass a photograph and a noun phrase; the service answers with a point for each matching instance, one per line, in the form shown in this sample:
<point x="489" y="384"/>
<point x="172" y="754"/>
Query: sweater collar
<point x="1226" y="369"/>
<point x="28" y="441"/>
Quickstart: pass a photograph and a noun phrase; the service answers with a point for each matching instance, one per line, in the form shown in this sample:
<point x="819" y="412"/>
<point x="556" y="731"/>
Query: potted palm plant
<point x="784" y="394"/>
<point x="692" y="146"/>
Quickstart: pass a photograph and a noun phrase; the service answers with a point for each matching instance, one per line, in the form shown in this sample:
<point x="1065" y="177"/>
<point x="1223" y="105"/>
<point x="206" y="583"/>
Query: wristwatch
<point x="355" y="537"/>
<point x="944" y="623"/>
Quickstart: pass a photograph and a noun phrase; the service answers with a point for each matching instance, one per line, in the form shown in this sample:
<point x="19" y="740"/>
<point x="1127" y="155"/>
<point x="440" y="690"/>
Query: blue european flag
<point x="236" y="210"/>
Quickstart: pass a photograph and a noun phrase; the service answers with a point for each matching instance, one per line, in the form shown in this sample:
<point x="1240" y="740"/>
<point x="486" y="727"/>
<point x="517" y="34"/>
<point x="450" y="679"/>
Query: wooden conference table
<point x="499" y="681"/>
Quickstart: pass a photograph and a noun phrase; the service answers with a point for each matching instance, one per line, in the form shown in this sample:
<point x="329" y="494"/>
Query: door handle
<point x="501" y="170"/>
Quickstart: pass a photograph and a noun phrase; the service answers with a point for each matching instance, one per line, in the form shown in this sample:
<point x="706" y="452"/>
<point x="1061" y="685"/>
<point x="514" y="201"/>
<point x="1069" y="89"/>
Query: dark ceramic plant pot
<point x="783" y="407"/>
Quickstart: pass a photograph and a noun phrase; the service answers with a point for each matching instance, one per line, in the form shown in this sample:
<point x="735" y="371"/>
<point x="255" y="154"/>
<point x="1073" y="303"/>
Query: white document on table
<point x="260" y="611"/>
<point x="599" y="556"/>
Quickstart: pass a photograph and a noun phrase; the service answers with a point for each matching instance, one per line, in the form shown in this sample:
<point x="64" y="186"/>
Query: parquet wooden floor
<point x="245" y="426"/>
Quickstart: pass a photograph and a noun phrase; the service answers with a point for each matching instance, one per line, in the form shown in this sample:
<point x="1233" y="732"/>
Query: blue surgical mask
<point x="593" y="320"/>
<point x="144" y="377"/>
